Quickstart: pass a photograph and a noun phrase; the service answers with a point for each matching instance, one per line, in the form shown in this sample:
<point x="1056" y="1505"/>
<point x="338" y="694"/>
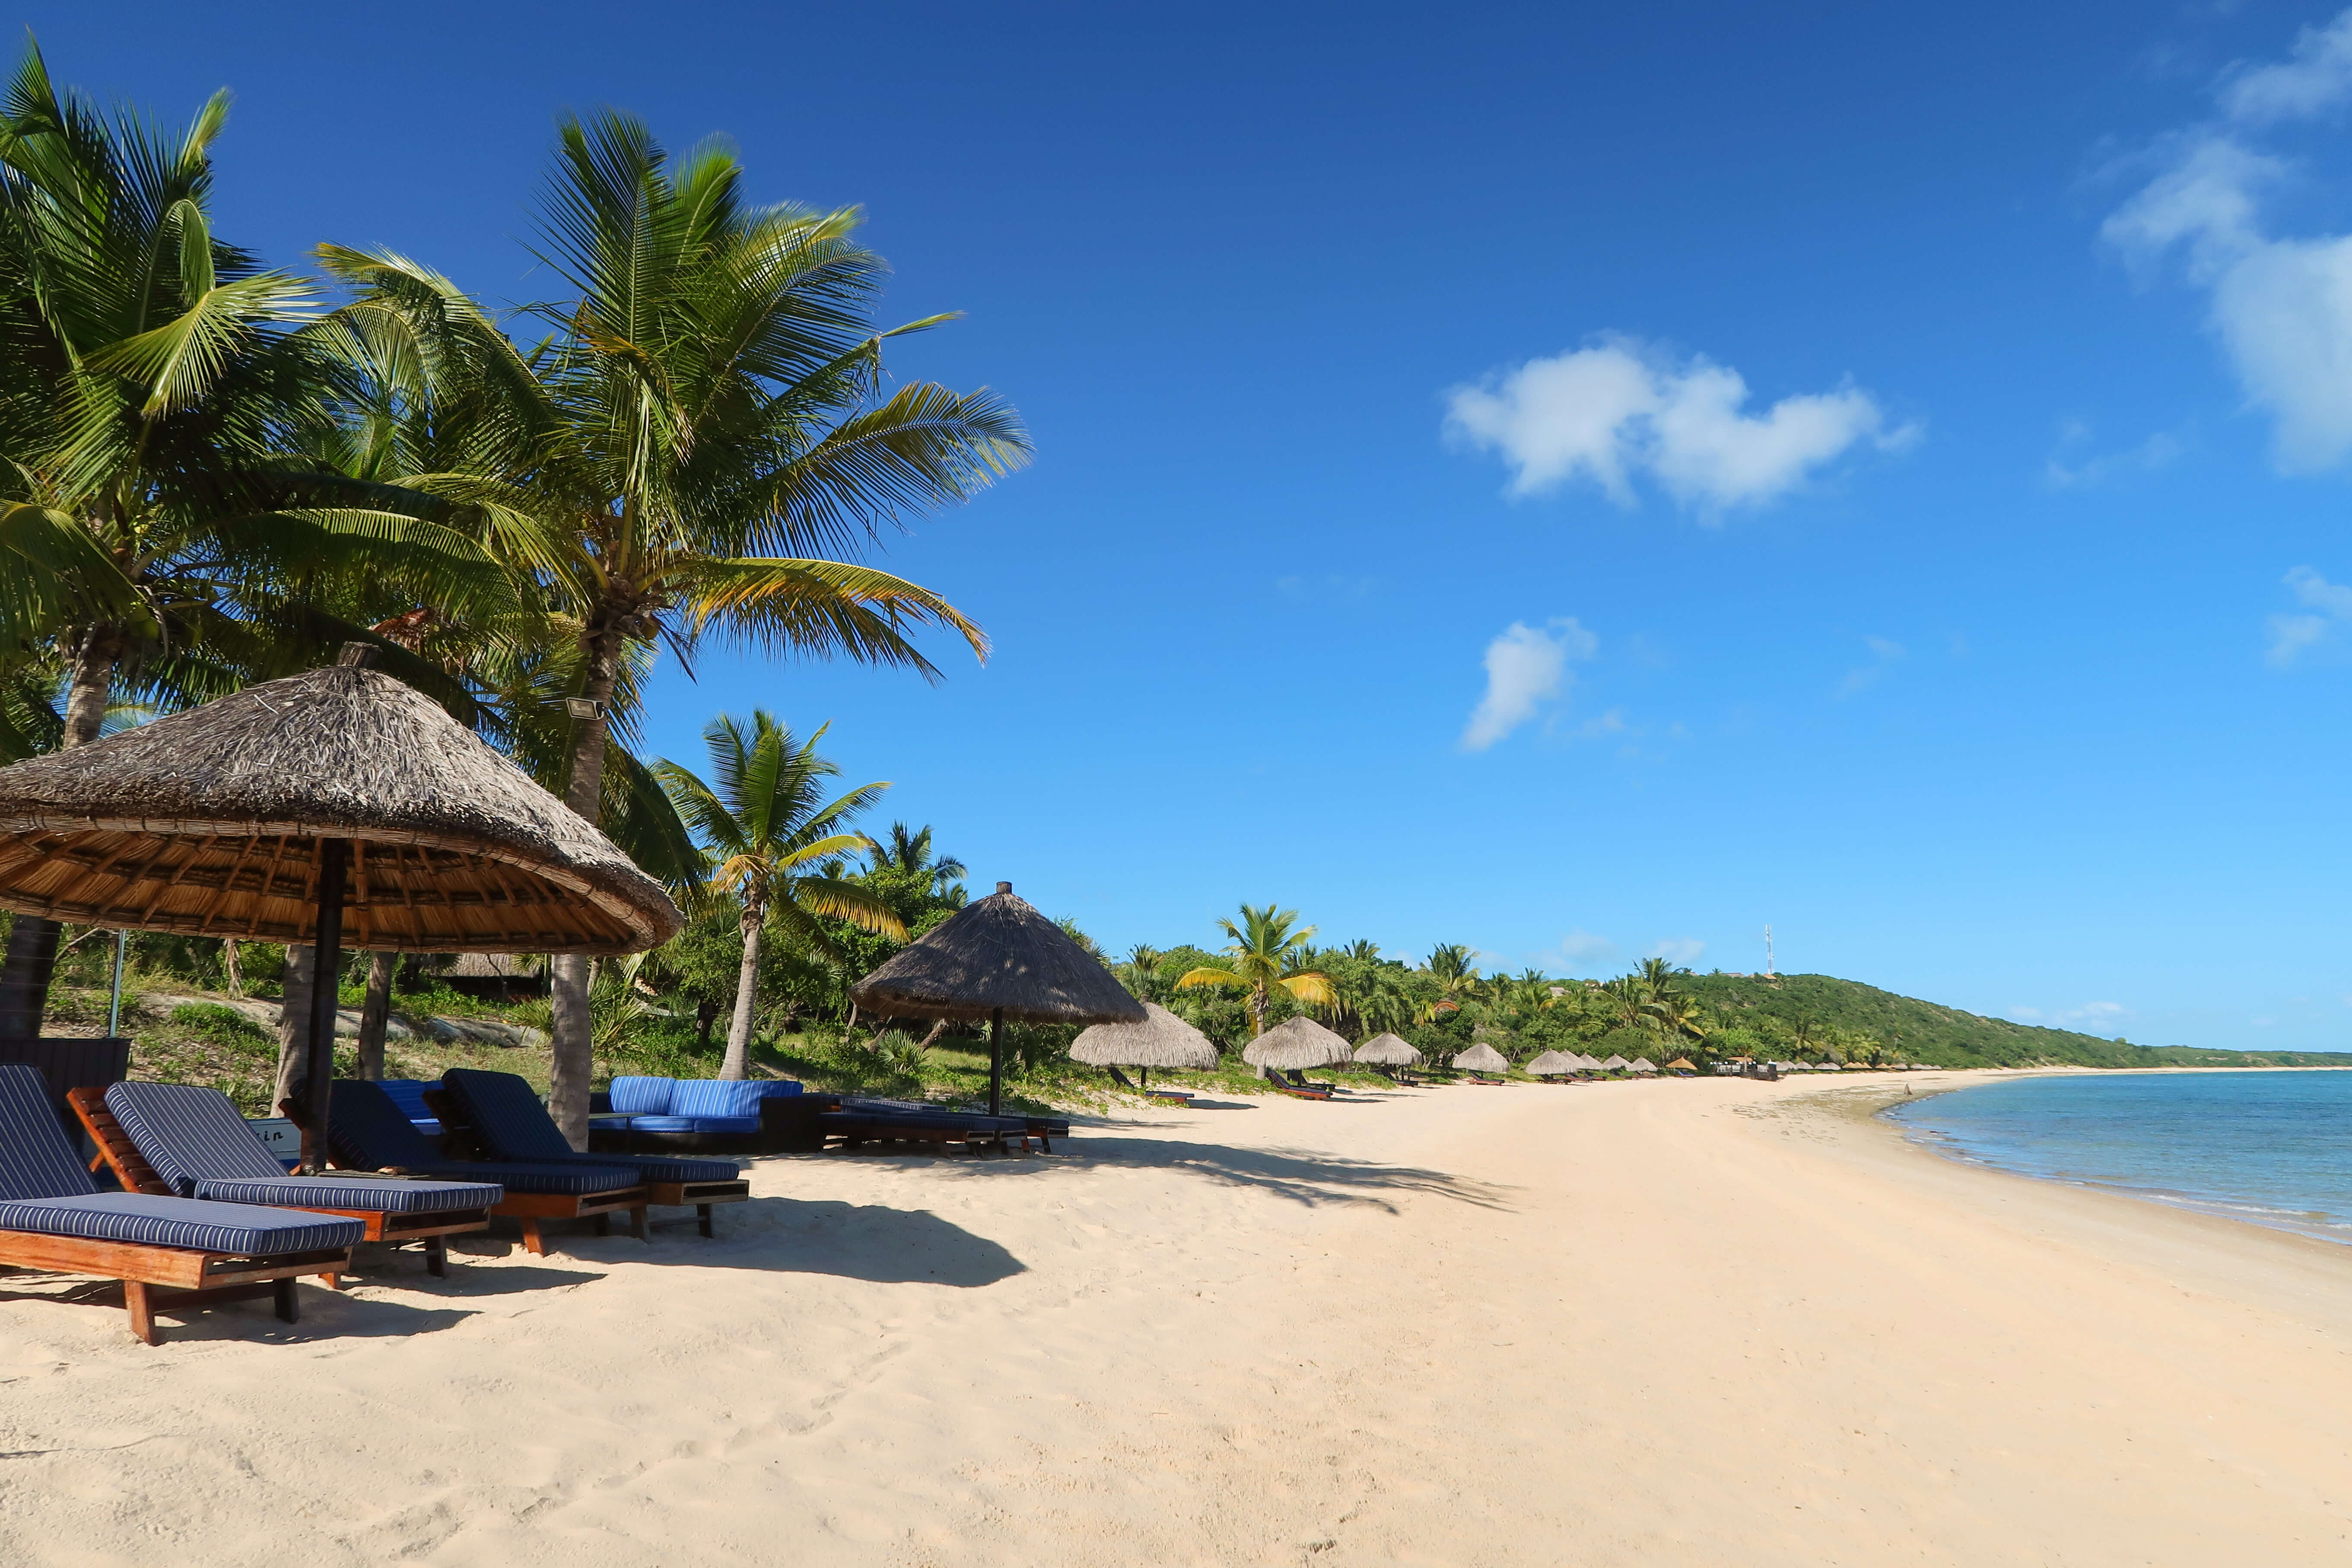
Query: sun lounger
<point x="1017" y="1129"/>
<point x="367" y="1130"/>
<point x="1299" y="1080"/>
<point x="1283" y="1086"/>
<point x="501" y="1113"/>
<point x="187" y="1141"/>
<point x="170" y="1254"/>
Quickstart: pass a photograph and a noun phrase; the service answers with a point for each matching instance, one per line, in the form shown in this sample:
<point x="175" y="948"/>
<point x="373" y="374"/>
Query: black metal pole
<point x="996" y="1062"/>
<point x="326" y="969"/>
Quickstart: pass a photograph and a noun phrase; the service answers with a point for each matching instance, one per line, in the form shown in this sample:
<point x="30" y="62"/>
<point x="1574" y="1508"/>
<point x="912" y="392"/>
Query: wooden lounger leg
<point x="288" y="1309"/>
<point x="702" y="1211"/>
<point x="530" y="1240"/>
<point x="437" y="1257"/>
<point x="637" y="1222"/>
<point x="333" y="1281"/>
<point x="143" y="1312"/>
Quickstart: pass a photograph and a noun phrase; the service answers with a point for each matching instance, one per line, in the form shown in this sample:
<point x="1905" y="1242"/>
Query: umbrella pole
<point x="326" y="969"/>
<point x="996" y="1062"/>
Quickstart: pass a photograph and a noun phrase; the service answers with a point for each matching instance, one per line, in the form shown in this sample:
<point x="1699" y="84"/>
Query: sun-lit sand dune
<point x="1682" y="1322"/>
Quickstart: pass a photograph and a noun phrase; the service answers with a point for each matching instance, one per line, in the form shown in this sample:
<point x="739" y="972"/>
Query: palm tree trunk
<point x="738" y="1064"/>
<point x="375" y="1016"/>
<point x="294" y="1022"/>
<point x="32" y="953"/>
<point x="231" y="968"/>
<point x="574" y="1030"/>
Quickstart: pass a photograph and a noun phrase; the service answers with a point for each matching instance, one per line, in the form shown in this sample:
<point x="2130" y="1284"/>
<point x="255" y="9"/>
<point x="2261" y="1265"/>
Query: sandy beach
<point x="1685" y="1323"/>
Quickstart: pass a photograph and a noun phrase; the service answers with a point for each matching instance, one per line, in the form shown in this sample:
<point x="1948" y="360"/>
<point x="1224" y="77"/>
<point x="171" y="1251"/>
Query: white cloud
<point x="1580" y="949"/>
<point x="2316" y="80"/>
<point x="2091" y="1018"/>
<point x="2281" y="307"/>
<point x="2160" y="450"/>
<point x="1683" y="950"/>
<point x="2324" y="603"/>
<point x="1526" y="668"/>
<point x="1622" y="409"/>
<point x="1884" y="655"/>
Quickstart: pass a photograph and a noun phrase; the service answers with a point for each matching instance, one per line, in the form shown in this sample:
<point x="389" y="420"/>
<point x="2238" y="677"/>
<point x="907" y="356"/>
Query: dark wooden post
<point x="327" y="963"/>
<point x="996" y="1062"/>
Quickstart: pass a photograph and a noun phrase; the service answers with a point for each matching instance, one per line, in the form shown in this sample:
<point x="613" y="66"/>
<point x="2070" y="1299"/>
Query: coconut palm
<point x="1264" y="953"/>
<point x="908" y="852"/>
<point x="1457" y="978"/>
<point x="769" y="832"/>
<point x="707" y="412"/>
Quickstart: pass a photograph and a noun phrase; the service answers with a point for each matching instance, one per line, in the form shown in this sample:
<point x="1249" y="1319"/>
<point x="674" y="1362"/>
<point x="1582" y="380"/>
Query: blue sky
<point x="1582" y="486"/>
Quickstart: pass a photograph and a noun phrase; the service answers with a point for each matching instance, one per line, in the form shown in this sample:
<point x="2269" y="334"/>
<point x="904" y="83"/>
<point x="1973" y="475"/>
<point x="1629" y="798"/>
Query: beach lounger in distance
<point x="188" y="1141"/>
<point x="168" y="1254"/>
<point x="368" y="1131"/>
<point x="501" y="1111"/>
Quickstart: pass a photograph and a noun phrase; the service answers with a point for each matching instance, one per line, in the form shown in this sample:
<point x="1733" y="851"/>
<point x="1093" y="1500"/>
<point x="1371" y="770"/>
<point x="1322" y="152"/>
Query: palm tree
<point x="705" y="414"/>
<point x="1264" y="953"/>
<point x="908" y="852"/>
<point x="769" y="832"/>
<point x="1457" y="978"/>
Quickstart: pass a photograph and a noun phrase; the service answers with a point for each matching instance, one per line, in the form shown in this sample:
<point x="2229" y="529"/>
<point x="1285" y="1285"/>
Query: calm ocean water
<point x="2273" y="1147"/>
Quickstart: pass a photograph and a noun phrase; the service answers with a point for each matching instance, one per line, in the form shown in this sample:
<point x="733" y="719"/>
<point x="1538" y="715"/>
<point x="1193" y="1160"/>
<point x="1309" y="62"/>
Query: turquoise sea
<point x="2273" y="1147"/>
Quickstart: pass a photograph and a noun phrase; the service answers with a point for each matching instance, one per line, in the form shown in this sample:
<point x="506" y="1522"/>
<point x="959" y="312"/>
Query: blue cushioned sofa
<point x="645" y="1115"/>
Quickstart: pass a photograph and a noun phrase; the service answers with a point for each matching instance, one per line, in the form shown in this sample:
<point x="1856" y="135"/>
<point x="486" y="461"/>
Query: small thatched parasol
<point x="339" y="808"/>
<point x="1642" y="1064"/>
<point x="1552" y="1062"/>
<point x="1481" y="1057"/>
<point x="1296" y="1044"/>
<point x="1388" y="1051"/>
<point x="1162" y="1040"/>
<point x="1680" y="1064"/>
<point x="1615" y="1064"/>
<point x="999" y="959"/>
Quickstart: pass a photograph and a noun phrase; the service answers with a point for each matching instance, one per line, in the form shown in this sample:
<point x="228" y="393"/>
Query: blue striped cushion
<point x="36" y="1161"/>
<point x="661" y="1125"/>
<point x="573" y="1181"/>
<point x="715" y="1097"/>
<point x="642" y="1096"/>
<point x="190" y="1134"/>
<point x="341" y="1193"/>
<point x="660" y="1167"/>
<point x="508" y="1114"/>
<point x="180" y="1222"/>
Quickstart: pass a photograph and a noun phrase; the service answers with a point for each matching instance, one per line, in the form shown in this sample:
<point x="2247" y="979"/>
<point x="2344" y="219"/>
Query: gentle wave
<point x="2272" y="1147"/>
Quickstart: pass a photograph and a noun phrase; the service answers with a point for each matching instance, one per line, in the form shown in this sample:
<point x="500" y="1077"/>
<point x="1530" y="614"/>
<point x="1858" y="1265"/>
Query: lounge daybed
<point x="499" y="1111"/>
<point x="720" y="1116"/>
<point x="1019" y="1131"/>
<point x="187" y="1141"/>
<point x="170" y="1254"/>
<point x="367" y="1131"/>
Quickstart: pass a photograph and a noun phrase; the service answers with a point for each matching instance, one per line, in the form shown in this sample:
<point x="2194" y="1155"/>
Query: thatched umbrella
<point x="1162" y="1040"/>
<point x="1388" y="1051"/>
<point x="1615" y="1064"/>
<point x="1298" y="1042"/>
<point x="1681" y="1063"/>
<point x="1642" y="1064"/>
<point x="1481" y="1057"/>
<point x="1555" y="1062"/>
<point x="338" y="808"/>
<point x="998" y="958"/>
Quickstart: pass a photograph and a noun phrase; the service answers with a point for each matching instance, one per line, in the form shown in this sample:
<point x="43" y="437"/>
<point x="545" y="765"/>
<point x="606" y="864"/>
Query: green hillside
<point x="1774" y="1010"/>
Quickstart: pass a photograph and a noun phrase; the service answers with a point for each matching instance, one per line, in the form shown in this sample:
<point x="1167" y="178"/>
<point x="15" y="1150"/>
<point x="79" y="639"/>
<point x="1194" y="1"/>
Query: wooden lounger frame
<point x="1292" y="1089"/>
<point x="172" y="1279"/>
<point x="529" y="1208"/>
<point x="698" y="1195"/>
<point x="120" y="1154"/>
<point x="911" y="1130"/>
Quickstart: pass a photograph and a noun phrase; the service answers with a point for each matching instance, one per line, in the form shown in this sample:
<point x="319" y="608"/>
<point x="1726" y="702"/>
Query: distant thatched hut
<point x="1388" y="1051"/>
<point x="1555" y="1064"/>
<point x="1297" y="1043"/>
<point x="1481" y="1057"/>
<point x="1615" y="1064"/>
<point x="1162" y="1040"/>
<point x="1642" y="1065"/>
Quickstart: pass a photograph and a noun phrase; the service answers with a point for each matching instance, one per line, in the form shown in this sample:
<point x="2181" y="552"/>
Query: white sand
<point x="1697" y="1323"/>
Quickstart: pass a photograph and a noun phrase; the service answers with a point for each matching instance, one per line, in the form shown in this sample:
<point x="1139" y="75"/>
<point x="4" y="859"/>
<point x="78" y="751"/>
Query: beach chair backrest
<point x="35" y="1159"/>
<point x="643" y="1096"/>
<point x="369" y="1129"/>
<point x="508" y="1115"/>
<point x="408" y="1094"/>
<point x="190" y="1134"/>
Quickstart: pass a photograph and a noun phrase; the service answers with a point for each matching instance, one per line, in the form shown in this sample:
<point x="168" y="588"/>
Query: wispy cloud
<point x="2291" y="634"/>
<point x="1580" y="949"/>
<point x="2067" y="470"/>
<point x="1884" y="655"/>
<point x="2280" y="306"/>
<point x="1526" y="667"/>
<point x="1623" y="408"/>
<point x="2090" y="1018"/>
<point x="1683" y="950"/>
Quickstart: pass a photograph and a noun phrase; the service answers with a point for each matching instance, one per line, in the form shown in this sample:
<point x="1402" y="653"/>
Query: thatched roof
<point x="1296" y="1044"/>
<point x="207" y="823"/>
<point x="1481" y="1057"/>
<point x="1162" y="1040"/>
<point x="1615" y="1064"/>
<point x="998" y="952"/>
<point x="1552" y="1062"/>
<point x="1388" y="1051"/>
<point x="1644" y="1064"/>
<point x="1681" y="1064"/>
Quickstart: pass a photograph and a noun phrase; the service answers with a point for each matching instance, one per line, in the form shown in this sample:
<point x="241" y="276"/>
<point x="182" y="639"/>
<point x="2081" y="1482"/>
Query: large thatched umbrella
<point x="1615" y="1064"/>
<point x="1644" y="1064"/>
<point x="1388" y="1051"/>
<point x="1162" y="1040"/>
<point x="1553" y="1063"/>
<point x="1481" y="1057"/>
<point x="1296" y="1044"/>
<point x="999" y="959"/>
<point x="340" y="808"/>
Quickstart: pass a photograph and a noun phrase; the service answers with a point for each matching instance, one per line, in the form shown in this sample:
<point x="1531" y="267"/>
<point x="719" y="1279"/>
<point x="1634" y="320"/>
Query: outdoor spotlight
<point x="583" y="707"/>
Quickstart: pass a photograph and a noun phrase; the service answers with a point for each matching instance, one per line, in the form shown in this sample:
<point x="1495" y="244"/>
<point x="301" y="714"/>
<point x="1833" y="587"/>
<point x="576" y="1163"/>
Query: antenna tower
<point x="1768" y="953"/>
